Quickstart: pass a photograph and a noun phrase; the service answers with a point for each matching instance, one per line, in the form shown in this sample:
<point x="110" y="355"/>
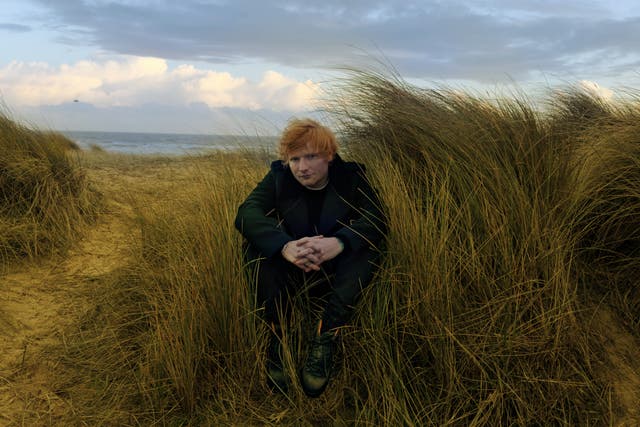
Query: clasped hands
<point x="309" y="253"/>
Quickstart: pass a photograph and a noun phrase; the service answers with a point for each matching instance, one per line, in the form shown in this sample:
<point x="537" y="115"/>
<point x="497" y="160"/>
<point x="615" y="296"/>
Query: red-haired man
<point x="312" y="219"/>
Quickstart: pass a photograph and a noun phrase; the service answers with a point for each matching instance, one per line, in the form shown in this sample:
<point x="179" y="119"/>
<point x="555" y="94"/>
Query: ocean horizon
<point x="166" y="143"/>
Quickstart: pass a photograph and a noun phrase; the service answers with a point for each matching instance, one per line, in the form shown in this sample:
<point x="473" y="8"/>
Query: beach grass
<point x="509" y="227"/>
<point x="45" y="198"/>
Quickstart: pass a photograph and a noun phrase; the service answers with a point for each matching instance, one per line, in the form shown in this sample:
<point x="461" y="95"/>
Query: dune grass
<point x="504" y="221"/>
<point x="485" y="293"/>
<point x="602" y="209"/>
<point x="44" y="195"/>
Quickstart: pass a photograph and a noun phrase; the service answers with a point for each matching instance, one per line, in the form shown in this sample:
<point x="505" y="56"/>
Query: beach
<point x="172" y="144"/>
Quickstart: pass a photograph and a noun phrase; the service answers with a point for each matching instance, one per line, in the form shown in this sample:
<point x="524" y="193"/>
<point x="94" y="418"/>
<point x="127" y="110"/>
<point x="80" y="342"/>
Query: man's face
<point x="309" y="167"/>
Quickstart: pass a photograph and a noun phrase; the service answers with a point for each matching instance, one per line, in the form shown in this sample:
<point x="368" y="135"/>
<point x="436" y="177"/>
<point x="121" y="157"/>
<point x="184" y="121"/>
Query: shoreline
<point x="167" y="144"/>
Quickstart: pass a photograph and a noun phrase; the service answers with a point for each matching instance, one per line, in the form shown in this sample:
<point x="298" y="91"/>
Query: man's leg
<point x="352" y="272"/>
<point x="272" y="279"/>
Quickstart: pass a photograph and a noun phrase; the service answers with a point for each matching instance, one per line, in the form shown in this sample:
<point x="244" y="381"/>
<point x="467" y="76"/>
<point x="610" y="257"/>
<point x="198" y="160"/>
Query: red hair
<point x="300" y="132"/>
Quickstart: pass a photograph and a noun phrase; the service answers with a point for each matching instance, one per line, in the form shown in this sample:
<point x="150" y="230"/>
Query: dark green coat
<point x="276" y="212"/>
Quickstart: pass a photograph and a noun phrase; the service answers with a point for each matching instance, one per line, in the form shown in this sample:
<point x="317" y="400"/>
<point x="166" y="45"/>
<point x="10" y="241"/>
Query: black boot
<point x="317" y="369"/>
<point x="277" y="379"/>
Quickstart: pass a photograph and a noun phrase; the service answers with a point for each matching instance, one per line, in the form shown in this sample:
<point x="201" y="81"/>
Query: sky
<point x="243" y="66"/>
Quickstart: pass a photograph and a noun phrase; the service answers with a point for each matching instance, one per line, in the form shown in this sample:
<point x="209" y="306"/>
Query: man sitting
<point x="313" y="216"/>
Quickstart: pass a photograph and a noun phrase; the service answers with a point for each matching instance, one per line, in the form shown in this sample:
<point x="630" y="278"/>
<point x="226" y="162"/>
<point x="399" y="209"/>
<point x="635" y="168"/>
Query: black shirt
<point x="315" y="200"/>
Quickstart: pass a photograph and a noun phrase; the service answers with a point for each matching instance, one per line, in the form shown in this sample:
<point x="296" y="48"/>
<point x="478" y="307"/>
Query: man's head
<point x="307" y="133"/>
<point x="307" y="147"/>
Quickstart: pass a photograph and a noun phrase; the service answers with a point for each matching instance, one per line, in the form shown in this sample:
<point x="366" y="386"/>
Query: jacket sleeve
<point x="257" y="221"/>
<point x="369" y="227"/>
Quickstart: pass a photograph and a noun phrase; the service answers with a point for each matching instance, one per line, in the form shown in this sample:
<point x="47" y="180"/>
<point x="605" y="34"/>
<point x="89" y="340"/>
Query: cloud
<point x="276" y="89"/>
<point x="131" y="81"/>
<point x="593" y="87"/>
<point x="15" y="28"/>
<point x="457" y="39"/>
<point x="194" y="118"/>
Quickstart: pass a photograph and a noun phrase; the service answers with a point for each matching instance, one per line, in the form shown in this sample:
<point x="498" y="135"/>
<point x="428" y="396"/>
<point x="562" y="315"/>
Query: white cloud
<point x="214" y="89"/>
<point x="131" y="81"/>
<point x="595" y="88"/>
<point x="277" y="89"/>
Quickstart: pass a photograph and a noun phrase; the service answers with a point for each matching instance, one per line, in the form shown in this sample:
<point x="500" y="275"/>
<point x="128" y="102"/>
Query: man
<point x="313" y="216"/>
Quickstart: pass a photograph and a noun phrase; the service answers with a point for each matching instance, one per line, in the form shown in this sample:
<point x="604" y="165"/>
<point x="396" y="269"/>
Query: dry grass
<point x="44" y="196"/>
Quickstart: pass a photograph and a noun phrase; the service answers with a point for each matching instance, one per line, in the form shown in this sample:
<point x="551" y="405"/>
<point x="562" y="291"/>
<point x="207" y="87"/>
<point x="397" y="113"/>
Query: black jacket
<point x="275" y="212"/>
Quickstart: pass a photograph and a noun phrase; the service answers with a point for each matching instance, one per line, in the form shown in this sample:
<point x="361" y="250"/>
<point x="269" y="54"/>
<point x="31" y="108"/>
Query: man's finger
<point x="307" y="267"/>
<point x="302" y="241"/>
<point x="307" y="264"/>
<point x="311" y="266"/>
<point x="307" y="240"/>
<point x="313" y="258"/>
<point x="304" y="253"/>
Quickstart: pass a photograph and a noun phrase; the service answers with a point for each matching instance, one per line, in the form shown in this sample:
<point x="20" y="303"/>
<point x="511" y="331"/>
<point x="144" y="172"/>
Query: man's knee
<point x="357" y="267"/>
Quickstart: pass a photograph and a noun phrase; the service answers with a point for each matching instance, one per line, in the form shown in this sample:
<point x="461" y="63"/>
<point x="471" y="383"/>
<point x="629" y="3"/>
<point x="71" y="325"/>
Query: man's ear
<point x="330" y="157"/>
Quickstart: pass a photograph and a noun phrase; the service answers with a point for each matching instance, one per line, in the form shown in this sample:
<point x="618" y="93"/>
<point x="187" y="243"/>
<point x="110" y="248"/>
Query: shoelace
<point x="320" y="356"/>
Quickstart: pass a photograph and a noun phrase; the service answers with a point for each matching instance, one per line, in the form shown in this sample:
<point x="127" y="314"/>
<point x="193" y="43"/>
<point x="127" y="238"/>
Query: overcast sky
<point x="228" y="66"/>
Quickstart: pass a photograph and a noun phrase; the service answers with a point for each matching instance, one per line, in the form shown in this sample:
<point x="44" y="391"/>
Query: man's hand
<point x="323" y="249"/>
<point x="309" y="253"/>
<point x="301" y="254"/>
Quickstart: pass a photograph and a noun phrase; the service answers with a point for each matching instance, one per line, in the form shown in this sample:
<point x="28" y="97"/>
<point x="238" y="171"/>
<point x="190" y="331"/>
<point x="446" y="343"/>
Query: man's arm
<point x="370" y="227"/>
<point x="256" y="219"/>
<point x="367" y="229"/>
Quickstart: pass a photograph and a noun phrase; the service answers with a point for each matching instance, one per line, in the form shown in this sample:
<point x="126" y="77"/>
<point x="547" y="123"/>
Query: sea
<point x="167" y="143"/>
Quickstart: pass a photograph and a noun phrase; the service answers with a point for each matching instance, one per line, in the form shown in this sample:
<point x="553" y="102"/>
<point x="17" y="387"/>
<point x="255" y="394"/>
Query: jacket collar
<point x="291" y="188"/>
<point x="290" y="192"/>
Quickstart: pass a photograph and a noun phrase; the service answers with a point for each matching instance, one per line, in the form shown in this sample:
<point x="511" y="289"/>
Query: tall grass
<point x="605" y="194"/>
<point x="502" y="220"/>
<point x="44" y="195"/>
<point x="481" y="267"/>
<point x="180" y="318"/>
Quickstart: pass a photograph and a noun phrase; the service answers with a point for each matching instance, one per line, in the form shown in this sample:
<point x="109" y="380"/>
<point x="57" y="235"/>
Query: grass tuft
<point x="45" y="198"/>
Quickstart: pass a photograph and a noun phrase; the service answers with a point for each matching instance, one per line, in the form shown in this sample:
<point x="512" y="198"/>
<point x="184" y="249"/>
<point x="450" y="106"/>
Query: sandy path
<point x="39" y="302"/>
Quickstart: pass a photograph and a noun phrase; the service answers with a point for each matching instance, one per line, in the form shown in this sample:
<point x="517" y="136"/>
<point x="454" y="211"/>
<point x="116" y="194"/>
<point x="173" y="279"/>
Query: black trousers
<point x="339" y="282"/>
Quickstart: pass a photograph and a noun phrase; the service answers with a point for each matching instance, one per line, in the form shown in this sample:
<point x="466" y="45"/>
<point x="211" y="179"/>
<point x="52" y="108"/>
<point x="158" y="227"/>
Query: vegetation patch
<point x="45" y="198"/>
